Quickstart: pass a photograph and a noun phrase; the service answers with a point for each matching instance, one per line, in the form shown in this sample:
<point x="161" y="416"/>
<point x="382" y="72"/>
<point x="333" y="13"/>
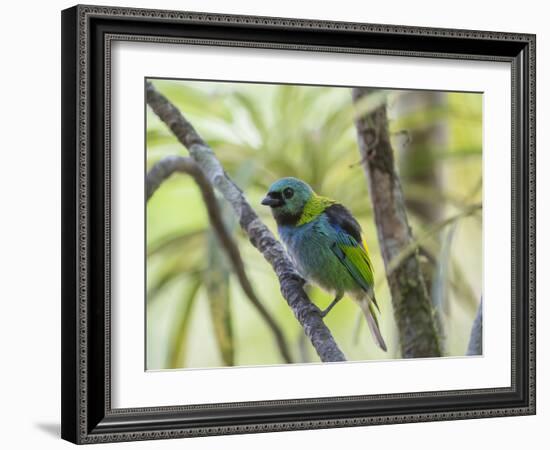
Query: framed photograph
<point x="280" y="224"/>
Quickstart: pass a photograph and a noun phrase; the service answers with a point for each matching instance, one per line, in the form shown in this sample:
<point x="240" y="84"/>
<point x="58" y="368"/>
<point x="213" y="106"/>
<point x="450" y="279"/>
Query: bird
<point x="325" y="243"/>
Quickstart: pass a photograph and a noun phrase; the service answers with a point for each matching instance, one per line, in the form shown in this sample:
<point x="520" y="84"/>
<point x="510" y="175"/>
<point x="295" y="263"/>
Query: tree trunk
<point x="419" y="167"/>
<point x="411" y="303"/>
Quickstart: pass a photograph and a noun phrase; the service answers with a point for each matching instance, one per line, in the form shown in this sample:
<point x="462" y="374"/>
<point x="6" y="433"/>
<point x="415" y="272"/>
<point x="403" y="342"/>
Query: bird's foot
<point x="332" y="305"/>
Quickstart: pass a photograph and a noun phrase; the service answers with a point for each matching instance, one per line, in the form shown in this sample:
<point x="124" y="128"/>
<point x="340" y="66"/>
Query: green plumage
<point x="325" y="242"/>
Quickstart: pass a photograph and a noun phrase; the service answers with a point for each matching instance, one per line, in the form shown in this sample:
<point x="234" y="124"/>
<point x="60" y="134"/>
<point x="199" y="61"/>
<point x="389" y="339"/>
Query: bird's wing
<point x="349" y="247"/>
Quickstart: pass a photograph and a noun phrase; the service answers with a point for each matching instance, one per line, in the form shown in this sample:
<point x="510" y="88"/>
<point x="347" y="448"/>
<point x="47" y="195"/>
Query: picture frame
<point x="87" y="35"/>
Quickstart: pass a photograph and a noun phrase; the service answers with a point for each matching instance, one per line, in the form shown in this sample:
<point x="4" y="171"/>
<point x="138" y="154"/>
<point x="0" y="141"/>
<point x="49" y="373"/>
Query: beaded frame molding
<point x="87" y="34"/>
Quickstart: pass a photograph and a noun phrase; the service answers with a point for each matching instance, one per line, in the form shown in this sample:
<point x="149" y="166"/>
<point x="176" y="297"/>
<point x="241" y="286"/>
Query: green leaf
<point x="216" y="280"/>
<point x="411" y="248"/>
<point x="462" y="288"/>
<point x="440" y="283"/>
<point x="177" y="239"/>
<point x="254" y="112"/>
<point x="172" y="260"/>
<point x="177" y="352"/>
<point x="197" y="100"/>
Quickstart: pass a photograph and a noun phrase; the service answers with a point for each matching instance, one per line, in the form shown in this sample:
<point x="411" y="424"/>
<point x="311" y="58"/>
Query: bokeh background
<point x="263" y="132"/>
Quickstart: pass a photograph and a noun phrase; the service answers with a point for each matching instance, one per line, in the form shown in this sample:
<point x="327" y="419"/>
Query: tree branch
<point x="166" y="167"/>
<point x="475" y="346"/>
<point x="290" y="281"/>
<point x="411" y="303"/>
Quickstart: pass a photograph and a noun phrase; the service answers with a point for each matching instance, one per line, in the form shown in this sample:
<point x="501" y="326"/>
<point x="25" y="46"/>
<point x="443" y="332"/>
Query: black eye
<point x="288" y="193"/>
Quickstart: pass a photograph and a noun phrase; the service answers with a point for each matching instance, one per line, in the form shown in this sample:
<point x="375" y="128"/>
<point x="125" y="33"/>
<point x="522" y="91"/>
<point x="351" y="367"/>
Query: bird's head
<point x="287" y="198"/>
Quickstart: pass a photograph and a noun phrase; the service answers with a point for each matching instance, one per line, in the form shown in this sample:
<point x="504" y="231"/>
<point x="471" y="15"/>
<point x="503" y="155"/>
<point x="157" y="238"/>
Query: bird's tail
<point x="368" y="308"/>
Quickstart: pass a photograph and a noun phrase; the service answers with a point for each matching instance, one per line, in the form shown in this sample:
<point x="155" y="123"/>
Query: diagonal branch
<point x="260" y="236"/>
<point x="411" y="304"/>
<point x="166" y="167"/>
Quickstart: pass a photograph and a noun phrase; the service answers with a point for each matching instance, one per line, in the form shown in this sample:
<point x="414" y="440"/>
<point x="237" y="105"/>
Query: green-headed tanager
<point x="324" y="241"/>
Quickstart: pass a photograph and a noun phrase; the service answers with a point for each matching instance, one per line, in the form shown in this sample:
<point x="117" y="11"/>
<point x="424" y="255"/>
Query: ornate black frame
<point x="87" y="31"/>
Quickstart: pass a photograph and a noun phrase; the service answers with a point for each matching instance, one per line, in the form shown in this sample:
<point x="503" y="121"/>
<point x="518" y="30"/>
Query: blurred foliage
<point x="197" y="314"/>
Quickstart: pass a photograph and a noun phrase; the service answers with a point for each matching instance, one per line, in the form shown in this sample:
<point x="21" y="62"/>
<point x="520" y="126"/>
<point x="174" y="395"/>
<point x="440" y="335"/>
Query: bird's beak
<point x="270" y="201"/>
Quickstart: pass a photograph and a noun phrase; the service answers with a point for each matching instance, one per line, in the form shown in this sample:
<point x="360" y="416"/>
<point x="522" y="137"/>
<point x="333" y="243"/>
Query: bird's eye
<point x="288" y="193"/>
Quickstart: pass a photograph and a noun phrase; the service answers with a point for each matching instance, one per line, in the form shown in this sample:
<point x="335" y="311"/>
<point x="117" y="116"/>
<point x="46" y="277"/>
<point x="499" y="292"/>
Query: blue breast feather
<point x="311" y="248"/>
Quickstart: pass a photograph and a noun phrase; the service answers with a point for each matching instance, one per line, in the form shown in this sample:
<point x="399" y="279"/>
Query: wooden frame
<point x="87" y="32"/>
